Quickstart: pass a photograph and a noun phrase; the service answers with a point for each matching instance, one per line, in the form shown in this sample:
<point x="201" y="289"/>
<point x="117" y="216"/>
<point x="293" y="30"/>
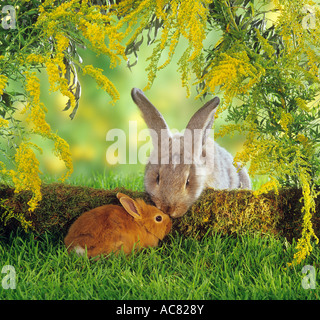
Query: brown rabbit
<point x="109" y="228"/>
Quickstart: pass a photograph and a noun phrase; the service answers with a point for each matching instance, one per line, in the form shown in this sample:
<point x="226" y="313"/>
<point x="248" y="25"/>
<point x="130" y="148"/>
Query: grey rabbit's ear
<point x="202" y="121"/>
<point x="150" y="113"/>
<point x="130" y="206"/>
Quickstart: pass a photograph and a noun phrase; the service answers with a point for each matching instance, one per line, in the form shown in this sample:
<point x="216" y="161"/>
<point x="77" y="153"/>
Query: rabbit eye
<point x="187" y="182"/>
<point x="158" y="178"/>
<point x="158" y="218"/>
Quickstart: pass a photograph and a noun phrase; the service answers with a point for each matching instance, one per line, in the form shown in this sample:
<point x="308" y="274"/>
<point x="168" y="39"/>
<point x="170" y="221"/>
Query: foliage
<point x="218" y="267"/>
<point x="273" y="69"/>
<point x="176" y="19"/>
<point x="46" y="37"/>
<point x="265" y="66"/>
<point x="239" y="266"/>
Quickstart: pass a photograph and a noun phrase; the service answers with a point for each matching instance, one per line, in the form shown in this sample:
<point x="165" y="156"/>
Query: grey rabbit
<point x="181" y="166"/>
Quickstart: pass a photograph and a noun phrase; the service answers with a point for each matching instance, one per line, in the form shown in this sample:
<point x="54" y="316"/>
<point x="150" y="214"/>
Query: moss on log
<point x="226" y="212"/>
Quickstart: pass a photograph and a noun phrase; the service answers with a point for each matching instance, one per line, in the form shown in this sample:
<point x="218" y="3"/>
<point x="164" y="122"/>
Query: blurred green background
<point x="86" y="133"/>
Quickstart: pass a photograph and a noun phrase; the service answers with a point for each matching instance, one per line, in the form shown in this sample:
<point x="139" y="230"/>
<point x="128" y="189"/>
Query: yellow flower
<point x="301" y="138"/>
<point x="97" y="33"/>
<point x="285" y="120"/>
<point x="3" y="82"/>
<point x="268" y="186"/>
<point x="62" y="151"/>
<point x="302" y="104"/>
<point x="4" y="123"/>
<point x="234" y="74"/>
<point x="37" y="119"/>
<point x="33" y="86"/>
<point x="100" y="29"/>
<point x="35" y="58"/>
<point x="186" y="19"/>
<point x="266" y="46"/>
<point x="102" y="81"/>
<point x="37" y="114"/>
<point x="53" y="74"/>
<point x="62" y="42"/>
<point x="27" y="175"/>
<point x="304" y="247"/>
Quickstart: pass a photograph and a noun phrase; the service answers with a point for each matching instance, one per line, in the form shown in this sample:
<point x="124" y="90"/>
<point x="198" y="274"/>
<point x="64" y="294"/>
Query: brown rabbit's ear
<point x="130" y="205"/>
<point x="120" y="195"/>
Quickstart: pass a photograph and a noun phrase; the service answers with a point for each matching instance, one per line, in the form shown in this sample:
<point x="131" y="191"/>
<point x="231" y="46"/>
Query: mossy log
<point x="226" y="212"/>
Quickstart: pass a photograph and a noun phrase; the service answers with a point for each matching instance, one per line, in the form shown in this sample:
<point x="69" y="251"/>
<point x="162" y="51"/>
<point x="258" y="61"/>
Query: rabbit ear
<point x="150" y="113"/>
<point x="202" y="121"/>
<point x="120" y="195"/>
<point x="130" y="205"/>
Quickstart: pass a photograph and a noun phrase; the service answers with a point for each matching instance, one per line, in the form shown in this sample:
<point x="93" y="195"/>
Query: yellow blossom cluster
<point x="306" y="31"/>
<point x="35" y="59"/>
<point x="275" y="81"/>
<point x="304" y="247"/>
<point x="56" y="26"/>
<point x="4" y="123"/>
<point x="232" y="74"/>
<point x="3" y="82"/>
<point x="62" y="151"/>
<point x="102" y="81"/>
<point x="302" y="104"/>
<point x="186" y="19"/>
<point x="285" y="119"/>
<point x="266" y="46"/>
<point x="270" y="157"/>
<point x="26" y="176"/>
<point x="100" y="31"/>
<point x="56" y="69"/>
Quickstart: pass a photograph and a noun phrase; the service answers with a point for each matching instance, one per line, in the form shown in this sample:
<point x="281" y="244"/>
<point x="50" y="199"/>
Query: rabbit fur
<point x="181" y="166"/>
<point x="110" y="228"/>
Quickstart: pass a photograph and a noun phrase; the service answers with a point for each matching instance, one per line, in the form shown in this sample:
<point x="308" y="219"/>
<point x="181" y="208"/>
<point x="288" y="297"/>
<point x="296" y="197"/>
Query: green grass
<point x="246" y="267"/>
<point x="108" y="180"/>
<point x="214" y="268"/>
